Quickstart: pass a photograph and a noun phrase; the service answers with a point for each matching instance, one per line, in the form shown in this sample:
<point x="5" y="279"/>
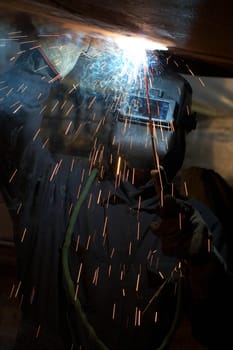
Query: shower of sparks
<point x="117" y="73"/>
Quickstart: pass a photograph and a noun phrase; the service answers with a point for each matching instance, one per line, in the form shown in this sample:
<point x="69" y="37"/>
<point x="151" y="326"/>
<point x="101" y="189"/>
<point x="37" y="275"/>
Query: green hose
<point x="65" y="263"/>
<point x="172" y="329"/>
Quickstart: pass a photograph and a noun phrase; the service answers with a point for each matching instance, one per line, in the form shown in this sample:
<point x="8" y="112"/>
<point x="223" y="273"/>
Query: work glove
<point x="182" y="231"/>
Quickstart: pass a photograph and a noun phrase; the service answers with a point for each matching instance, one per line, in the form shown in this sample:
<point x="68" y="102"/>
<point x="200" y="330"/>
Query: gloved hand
<point x="182" y="231"/>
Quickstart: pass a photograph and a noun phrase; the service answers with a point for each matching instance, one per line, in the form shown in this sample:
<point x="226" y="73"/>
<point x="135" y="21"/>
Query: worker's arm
<point x="185" y="234"/>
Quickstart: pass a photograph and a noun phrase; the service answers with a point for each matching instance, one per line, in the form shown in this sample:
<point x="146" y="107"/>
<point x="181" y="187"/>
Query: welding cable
<point x="176" y="318"/>
<point x="65" y="263"/>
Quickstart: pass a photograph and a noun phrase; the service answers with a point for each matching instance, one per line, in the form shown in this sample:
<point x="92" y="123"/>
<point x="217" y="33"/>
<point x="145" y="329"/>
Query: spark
<point x="57" y="77"/>
<point x="17" y="290"/>
<point x="79" y="191"/>
<point x="99" y="196"/>
<point x="4" y="87"/>
<point x="77" y="243"/>
<point x="69" y="110"/>
<point x="118" y="166"/>
<point x="54" y="107"/>
<point x="12" y="291"/>
<point x="92" y="102"/>
<point x="180" y="221"/>
<point x="185" y="189"/>
<point x="38" y="331"/>
<point x="76" y="292"/>
<point x="172" y="189"/>
<point x="19" y="207"/>
<point x="68" y="127"/>
<point x="130" y="248"/>
<point x="209" y="245"/>
<point x="59" y="165"/>
<point x="63" y="105"/>
<point x="36" y="134"/>
<point x="21" y="301"/>
<point x="72" y="165"/>
<point x="133" y="176"/>
<point x="82" y="175"/>
<point x="75" y="86"/>
<point x="156" y="316"/>
<point x="14" y="104"/>
<point x="70" y="209"/>
<point x="113" y="251"/>
<point x="23" y="235"/>
<point x="138" y="231"/>
<point x="55" y="170"/>
<point x="79" y="272"/>
<point x="105" y="226"/>
<point x="8" y="94"/>
<point x="114" y="311"/>
<point x="45" y="143"/>
<point x="88" y="242"/>
<point x="137" y="317"/>
<point x="89" y="201"/>
<point x="96" y="275"/>
<point x="41" y="68"/>
<point x="161" y="275"/>
<point x="190" y="71"/>
<point x="202" y="82"/>
<point x="32" y="295"/>
<point x="13" y="175"/>
<point x="43" y="109"/>
<point x="139" y="202"/>
<point x="137" y="283"/>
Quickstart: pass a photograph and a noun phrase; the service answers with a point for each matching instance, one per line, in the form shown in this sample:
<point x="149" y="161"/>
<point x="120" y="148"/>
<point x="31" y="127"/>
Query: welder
<point x="104" y="260"/>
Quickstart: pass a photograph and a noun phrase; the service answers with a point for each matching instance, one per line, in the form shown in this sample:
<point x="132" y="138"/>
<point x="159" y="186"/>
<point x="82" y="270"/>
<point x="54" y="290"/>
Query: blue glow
<point x="121" y="66"/>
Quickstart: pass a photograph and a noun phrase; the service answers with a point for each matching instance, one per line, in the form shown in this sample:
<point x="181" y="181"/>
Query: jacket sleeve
<point x="212" y="306"/>
<point x="24" y="90"/>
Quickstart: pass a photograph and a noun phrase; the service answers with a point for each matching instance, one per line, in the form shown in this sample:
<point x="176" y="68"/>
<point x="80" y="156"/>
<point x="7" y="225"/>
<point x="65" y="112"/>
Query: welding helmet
<point x="151" y="125"/>
<point x="103" y="124"/>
